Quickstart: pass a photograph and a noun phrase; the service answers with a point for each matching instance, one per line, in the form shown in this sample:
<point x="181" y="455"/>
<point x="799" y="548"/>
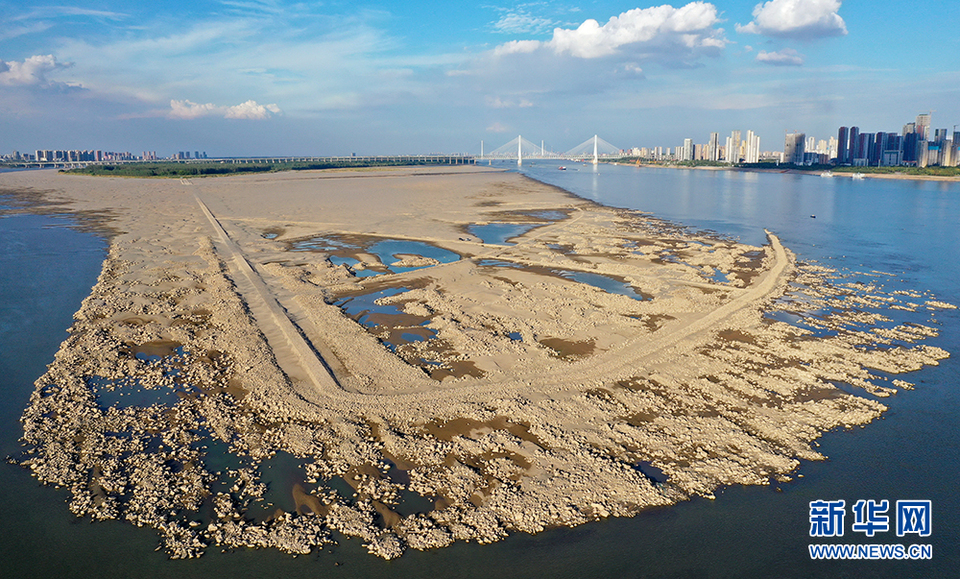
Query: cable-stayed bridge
<point x="519" y="148"/>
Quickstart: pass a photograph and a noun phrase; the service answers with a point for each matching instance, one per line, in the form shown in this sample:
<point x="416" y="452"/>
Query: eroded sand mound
<point x="419" y="357"/>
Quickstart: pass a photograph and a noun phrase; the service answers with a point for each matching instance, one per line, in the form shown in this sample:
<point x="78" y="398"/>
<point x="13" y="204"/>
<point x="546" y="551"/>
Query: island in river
<point x="434" y="354"/>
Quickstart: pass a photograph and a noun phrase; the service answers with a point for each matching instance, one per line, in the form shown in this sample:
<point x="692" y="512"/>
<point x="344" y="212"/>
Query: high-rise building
<point x="927" y="153"/>
<point x="713" y="147"/>
<point x="853" y="148"/>
<point x="864" y="149"/>
<point x="733" y="147"/>
<point x="892" y="154"/>
<point x="753" y="148"/>
<point x="910" y="144"/>
<point x="870" y="149"/>
<point x="685" y="153"/>
<point x="923" y="125"/>
<point x="843" y="146"/>
<point x="793" y="148"/>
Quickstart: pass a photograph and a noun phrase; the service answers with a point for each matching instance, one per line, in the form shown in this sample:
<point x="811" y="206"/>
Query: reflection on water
<point x="392" y="254"/>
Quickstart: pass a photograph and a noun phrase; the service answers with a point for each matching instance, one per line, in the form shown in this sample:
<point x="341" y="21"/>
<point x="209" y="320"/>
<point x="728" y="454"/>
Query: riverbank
<point x="815" y="173"/>
<point x="453" y="398"/>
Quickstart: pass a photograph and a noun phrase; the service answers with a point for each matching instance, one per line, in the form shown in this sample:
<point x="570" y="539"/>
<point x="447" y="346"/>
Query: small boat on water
<point x="858" y="176"/>
<point x="562" y="168"/>
<point x="826" y="174"/>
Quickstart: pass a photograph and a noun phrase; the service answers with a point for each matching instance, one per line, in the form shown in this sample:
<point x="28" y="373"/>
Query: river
<point x="906" y="228"/>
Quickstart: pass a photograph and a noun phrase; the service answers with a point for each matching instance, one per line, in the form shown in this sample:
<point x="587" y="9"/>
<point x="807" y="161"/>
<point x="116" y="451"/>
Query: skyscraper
<point x="843" y="144"/>
<point x="733" y="147"/>
<point x="923" y="126"/>
<point x="753" y="148"/>
<point x="713" y="148"/>
<point x="853" y="148"/>
<point x="793" y="148"/>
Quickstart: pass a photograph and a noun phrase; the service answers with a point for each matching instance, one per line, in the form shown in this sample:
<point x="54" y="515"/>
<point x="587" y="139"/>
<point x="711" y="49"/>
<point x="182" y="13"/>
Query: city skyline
<point x="279" y="78"/>
<point x="919" y="144"/>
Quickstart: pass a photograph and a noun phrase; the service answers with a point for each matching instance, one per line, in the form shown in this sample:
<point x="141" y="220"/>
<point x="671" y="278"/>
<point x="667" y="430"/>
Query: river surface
<point x="906" y="228"/>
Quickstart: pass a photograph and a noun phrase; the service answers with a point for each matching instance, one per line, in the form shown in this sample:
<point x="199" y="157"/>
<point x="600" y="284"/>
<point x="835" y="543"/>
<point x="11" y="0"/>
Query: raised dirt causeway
<point x="268" y="359"/>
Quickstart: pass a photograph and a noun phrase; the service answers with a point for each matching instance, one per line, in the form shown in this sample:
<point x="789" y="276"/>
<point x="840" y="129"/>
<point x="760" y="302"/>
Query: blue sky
<point x="250" y="77"/>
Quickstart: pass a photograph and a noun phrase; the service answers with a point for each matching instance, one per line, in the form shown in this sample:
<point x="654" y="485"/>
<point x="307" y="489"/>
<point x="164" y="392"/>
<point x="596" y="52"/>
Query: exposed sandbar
<point x="359" y="324"/>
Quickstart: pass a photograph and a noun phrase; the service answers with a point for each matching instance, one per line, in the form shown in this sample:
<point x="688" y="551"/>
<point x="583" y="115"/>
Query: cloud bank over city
<point x="275" y="77"/>
<point x="249" y="110"/>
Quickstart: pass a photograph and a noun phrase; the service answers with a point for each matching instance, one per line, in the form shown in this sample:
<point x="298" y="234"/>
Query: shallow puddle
<point x="810" y="321"/>
<point x="391" y="251"/>
<point x="360" y="307"/>
<point x="110" y="394"/>
<point x="604" y="282"/>
<point x="654" y="474"/>
<point x="718" y="276"/>
<point x="352" y="251"/>
<point x="403" y="328"/>
<point x="500" y="233"/>
<point x="155" y="350"/>
<point x="498" y="263"/>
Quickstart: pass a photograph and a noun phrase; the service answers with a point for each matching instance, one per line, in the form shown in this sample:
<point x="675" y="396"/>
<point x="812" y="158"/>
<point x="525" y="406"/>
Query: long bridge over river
<point x="458" y="159"/>
<point x="519" y="148"/>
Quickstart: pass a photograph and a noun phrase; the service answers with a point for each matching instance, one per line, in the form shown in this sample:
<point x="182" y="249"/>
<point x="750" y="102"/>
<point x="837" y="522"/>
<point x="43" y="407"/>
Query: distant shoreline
<point x="898" y="176"/>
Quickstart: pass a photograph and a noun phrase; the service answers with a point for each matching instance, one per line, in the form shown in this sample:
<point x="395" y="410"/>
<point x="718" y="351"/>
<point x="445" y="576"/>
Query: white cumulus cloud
<point x="250" y="110"/>
<point x="688" y="29"/>
<point x="31" y="72"/>
<point x="796" y="19"/>
<point x="785" y="57"/>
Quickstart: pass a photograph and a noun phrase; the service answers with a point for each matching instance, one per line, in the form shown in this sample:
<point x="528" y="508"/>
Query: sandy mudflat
<point x="425" y="381"/>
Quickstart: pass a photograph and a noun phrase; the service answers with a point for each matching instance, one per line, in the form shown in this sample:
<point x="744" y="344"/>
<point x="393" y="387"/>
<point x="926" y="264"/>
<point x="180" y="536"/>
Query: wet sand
<point x="503" y="388"/>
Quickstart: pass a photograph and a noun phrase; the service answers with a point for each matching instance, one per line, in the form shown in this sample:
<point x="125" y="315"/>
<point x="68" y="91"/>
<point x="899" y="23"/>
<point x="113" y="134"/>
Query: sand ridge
<point x="425" y="384"/>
